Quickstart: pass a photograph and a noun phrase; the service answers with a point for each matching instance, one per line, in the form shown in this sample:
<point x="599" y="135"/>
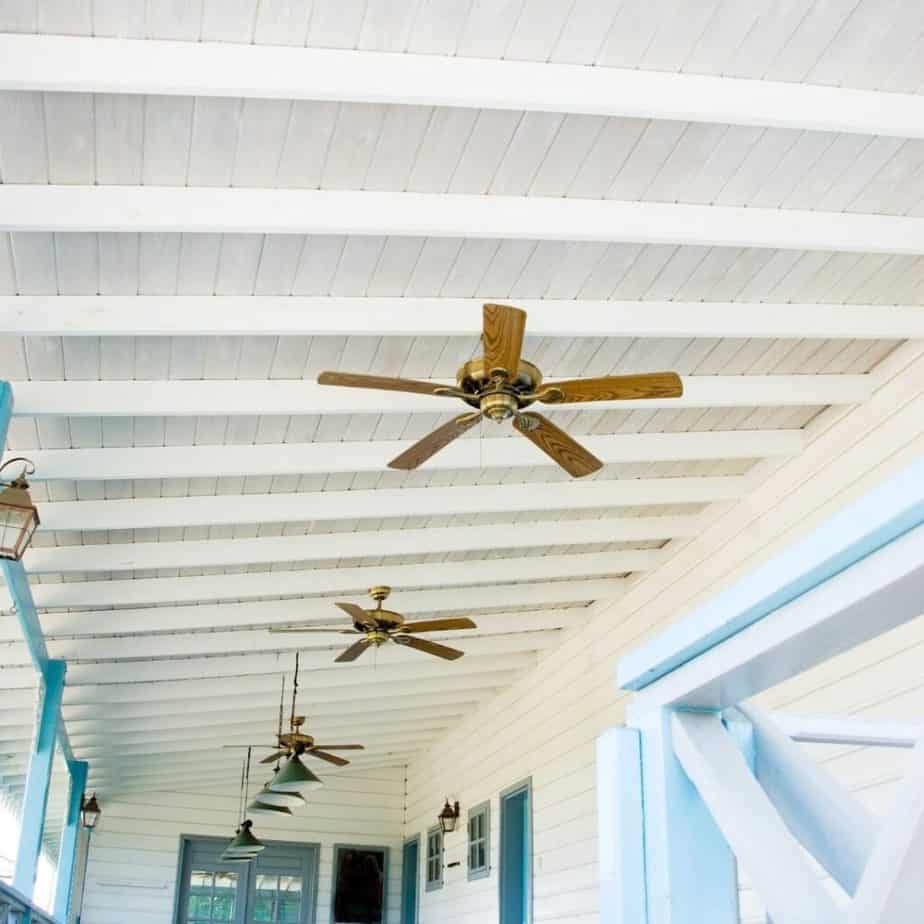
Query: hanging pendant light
<point x="244" y="847"/>
<point x="263" y="808"/>
<point x="285" y="799"/>
<point x="294" y="776"/>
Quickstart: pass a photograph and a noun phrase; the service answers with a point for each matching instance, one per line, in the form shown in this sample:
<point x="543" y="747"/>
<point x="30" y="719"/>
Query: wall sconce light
<point x="90" y="812"/>
<point x="448" y="817"/>
<point x="18" y="516"/>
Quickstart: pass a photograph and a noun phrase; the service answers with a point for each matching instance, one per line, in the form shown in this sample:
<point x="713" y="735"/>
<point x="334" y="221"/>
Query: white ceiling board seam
<point x="364" y="213"/>
<point x="109" y="65"/>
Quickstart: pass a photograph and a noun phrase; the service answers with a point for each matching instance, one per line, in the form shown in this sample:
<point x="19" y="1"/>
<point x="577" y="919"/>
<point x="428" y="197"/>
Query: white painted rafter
<point x="292" y="397"/>
<point x="209" y="553"/>
<point x="312" y="316"/>
<point x="109" y="65"/>
<point x="382" y="503"/>
<point x="312" y="211"/>
<point x="306" y="458"/>
<point x="325" y="581"/>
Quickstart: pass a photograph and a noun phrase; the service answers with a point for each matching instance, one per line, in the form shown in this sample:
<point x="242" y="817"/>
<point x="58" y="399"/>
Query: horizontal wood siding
<point x="135" y="852"/>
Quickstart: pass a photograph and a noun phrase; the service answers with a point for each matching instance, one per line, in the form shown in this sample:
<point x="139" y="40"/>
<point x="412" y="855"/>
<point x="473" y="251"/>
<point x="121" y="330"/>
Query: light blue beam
<point x="883" y="515"/>
<point x="35" y="799"/>
<point x="67" y="855"/>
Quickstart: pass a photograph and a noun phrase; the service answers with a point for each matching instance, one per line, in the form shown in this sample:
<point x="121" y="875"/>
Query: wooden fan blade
<point x="613" y="388"/>
<point x="354" y="651"/>
<point x="274" y="757"/>
<point x="384" y="383"/>
<point x="431" y="444"/>
<point x="357" y="614"/>
<point x="437" y="625"/>
<point x="339" y="747"/>
<point x="330" y="758"/>
<point x="503" y="330"/>
<point x="554" y="442"/>
<point x="422" y="644"/>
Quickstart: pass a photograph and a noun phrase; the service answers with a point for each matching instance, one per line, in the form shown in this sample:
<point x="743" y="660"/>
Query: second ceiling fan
<point x="500" y="384"/>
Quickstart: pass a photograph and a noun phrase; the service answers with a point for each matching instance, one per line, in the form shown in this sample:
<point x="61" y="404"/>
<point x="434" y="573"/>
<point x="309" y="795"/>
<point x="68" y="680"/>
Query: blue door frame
<point x="515" y="879"/>
<point x="410" y="880"/>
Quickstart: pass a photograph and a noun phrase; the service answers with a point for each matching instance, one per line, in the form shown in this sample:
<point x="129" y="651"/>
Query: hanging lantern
<point x="448" y="817"/>
<point x="90" y="812"/>
<point x="294" y="776"/>
<point x="286" y="799"/>
<point x="18" y="516"/>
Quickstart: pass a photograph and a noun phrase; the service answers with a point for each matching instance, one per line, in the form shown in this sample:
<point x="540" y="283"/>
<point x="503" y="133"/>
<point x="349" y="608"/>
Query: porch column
<point x="67" y="855"/>
<point x="35" y="798"/>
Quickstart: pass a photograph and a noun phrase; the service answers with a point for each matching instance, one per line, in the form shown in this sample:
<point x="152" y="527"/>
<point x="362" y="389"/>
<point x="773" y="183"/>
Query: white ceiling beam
<point x="215" y="553"/>
<point x="382" y="503"/>
<point x="403" y="663"/>
<point x="110" y="65"/>
<point x="150" y="591"/>
<point x="436" y="601"/>
<point x="311" y="211"/>
<point x="318" y="316"/>
<point x="325" y="458"/>
<point x="414" y="681"/>
<point x="287" y="398"/>
<point x="499" y="628"/>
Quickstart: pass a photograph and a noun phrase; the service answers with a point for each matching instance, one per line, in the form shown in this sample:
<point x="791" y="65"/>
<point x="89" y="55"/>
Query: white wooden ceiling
<point x="196" y="487"/>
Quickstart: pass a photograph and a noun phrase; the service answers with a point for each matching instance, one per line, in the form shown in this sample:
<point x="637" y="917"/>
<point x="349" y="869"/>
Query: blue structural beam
<point x="864" y="527"/>
<point x="35" y="799"/>
<point x="67" y="855"/>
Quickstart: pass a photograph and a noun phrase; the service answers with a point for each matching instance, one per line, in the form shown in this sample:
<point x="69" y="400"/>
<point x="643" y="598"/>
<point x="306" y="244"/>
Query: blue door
<point x="410" y="875"/>
<point x="516" y="861"/>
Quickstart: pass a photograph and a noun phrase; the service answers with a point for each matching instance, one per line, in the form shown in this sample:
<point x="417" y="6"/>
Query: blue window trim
<point x="479" y="872"/>
<point x="433" y="885"/>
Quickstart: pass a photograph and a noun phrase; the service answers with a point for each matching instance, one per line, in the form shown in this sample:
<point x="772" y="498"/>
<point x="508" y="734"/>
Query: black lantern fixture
<point x="448" y="817"/>
<point x="18" y="516"/>
<point x="90" y="812"/>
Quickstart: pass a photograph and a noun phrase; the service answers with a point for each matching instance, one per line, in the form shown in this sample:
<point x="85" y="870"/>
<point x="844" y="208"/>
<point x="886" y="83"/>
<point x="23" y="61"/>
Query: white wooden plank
<point x="113" y="65"/>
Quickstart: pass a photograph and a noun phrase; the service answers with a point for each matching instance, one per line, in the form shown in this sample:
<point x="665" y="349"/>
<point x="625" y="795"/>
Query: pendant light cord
<point x="294" y="690"/>
<point x="241" y="804"/>
<point x="246" y="787"/>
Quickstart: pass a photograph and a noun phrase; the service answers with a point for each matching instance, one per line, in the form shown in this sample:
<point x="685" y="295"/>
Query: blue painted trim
<point x="621" y="820"/>
<point x="509" y="910"/>
<point x="35" y="798"/>
<point x="67" y="855"/>
<point x="17" y="583"/>
<point x="881" y="516"/>
<point x="6" y="411"/>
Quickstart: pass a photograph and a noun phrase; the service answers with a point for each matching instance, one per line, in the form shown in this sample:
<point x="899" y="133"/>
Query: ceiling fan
<point x="378" y="626"/>
<point x="500" y="384"/>
<point x="294" y="742"/>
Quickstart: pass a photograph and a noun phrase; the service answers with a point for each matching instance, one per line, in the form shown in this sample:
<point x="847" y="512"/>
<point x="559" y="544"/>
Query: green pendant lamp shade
<point x="244" y="844"/>
<point x="293" y="777"/>
<point x="263" y="808"/>
<point x="291" y="800"/>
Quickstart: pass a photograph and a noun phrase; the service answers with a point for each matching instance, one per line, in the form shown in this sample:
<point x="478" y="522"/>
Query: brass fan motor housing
<point x="497" y="398"/>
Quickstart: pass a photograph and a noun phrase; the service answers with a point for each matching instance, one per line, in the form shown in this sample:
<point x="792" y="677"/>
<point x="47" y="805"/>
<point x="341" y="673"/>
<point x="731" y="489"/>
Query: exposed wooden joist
<point x="388" y="664"/>
<point x="414" y="681"/>
<point x="285" y="397"/>
<point x="433" y="601"/>
<point x="199" y="644"/>
<point x="314" y="316"/>
<point x="324" y="458"/>
<point x="382" y="503"/>
<point x="312" y="211"/>
<point x="110" y="65"/>
<point x="212" y="553"/>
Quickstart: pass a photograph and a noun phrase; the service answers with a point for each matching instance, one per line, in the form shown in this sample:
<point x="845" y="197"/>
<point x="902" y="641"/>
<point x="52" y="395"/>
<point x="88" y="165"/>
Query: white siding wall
<point x="545" y="726"/>
<point x="135" y="851"/>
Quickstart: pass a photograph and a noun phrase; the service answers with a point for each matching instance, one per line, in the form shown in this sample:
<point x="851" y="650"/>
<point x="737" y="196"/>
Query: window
<point x="479" y="841"/>
<point x="276" y="888"/>
<point x="434" y="859"/>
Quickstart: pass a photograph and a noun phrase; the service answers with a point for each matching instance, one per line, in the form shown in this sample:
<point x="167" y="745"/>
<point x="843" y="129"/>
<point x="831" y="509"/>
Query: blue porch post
<point x="35" y="799"/>
<point x="67" y="855"/>
<point x="690" y="870"/>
